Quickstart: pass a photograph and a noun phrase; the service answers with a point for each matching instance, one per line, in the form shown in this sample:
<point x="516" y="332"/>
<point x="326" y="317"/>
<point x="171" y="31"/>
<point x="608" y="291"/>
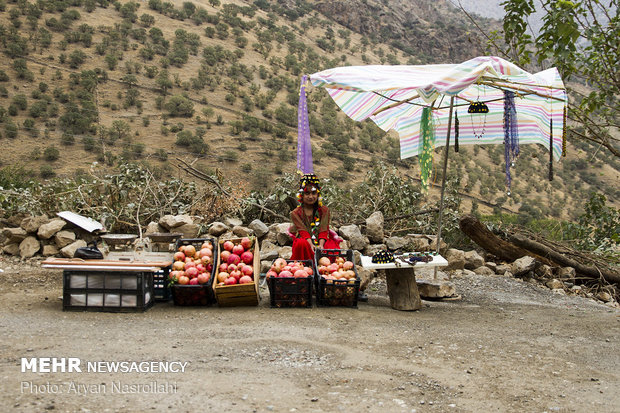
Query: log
<point x="402" y="289"/>
<point x="480" y="234"/>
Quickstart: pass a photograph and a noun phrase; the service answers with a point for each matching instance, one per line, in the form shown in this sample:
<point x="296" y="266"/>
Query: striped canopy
<point x="375" y="92"/>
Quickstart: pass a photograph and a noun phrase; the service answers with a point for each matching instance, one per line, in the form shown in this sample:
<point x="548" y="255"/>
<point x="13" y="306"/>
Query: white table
<point x="400" y="275"/>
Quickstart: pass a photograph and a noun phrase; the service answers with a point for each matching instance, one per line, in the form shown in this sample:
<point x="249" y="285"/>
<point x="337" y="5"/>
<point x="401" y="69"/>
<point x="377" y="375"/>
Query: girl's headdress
<point x="309" y="183"/>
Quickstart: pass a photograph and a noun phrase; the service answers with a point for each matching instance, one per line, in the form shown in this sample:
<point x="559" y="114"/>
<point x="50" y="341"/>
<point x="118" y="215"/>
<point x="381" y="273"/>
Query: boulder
<point x="491" y="265"/>
<point x="32" y="224"/>
<point x="366" y="276"/>
<point x="259" y="228"/>
<point x="50" y="250"/>
<point x="265" y="265"/>
<point x="285" y="252"/>
<point x="174" y="221"/>
<point x="435" y="289"/>
<point x="554" y="284"/>
<point x="349" y="231"/>
<point x="455" y="258"/>
<point x="15" y="235"/>
<point x="374" y="227"/>
<point x="604" y="296"/>
<point x="433" y="246"/>
<point x="429" y="274"/>
<point x="268" y="251"/>
<point x="484" y="270"/>
<point x="241" y="231"/>
<point x="523" y="266"/>
<point x="233" y="222"/>
<point x="357" y="258"/>
<point x="359" y="242"/>
<point x="418" y="243"/>
<point x="282" y="234"/>
<point x="218" y="228"/>
<point x="69" y="250"/>
<point x="567" y="273"/>
<point x="544" y="271"/>
<point x="154" y="227"/>
<point x="29" y="246"/>
<point x="64" y="238"/>
<point x="46" y="231"/>
<point x="502" y="268"/>
<point x="372" y="249"/>
<point x="395" y="243"/>
<point x="473" y="260"/>
<point x="344" y="245"/>
<point x="188" y="230"/>
<point x="11" y="249"/>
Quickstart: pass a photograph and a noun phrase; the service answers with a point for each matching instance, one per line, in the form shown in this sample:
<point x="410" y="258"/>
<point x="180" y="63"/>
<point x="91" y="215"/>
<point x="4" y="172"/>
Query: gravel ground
<point x="505" y="346"/>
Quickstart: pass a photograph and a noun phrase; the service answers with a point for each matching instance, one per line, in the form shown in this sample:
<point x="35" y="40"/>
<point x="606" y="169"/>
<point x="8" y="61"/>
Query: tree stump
<point x="402" y="289"/>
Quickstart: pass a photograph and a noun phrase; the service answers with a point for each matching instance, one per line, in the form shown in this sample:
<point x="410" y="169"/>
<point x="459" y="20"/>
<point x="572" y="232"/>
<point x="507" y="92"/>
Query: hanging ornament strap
<point x="427" y="130"/>
<point x="564" y="134"/>
<point x="511" y="134"/>
<point x="456" y="131"/>
<point x="551" y="150"/>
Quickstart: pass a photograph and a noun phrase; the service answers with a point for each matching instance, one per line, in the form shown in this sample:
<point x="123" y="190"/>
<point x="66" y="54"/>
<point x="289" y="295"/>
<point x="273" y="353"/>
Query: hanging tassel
<point x="551" y="150"/>
<point x="511" y="135"/>
<point x="564" y="134"/>
<point x="427" y="131"/>
<point x="456" y="131"/>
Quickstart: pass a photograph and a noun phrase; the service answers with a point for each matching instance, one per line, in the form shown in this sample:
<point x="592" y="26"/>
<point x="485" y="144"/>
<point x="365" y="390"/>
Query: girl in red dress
<point x="310" y="220"/>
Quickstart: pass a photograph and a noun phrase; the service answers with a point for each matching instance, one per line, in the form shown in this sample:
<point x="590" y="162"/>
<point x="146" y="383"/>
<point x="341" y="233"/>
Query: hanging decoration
<point x="564" y="134"/>
<point x="551" y="149"/>
<point x="511" y="134"/>
<point x="304" y="147"/>
<point x="478" y="107"/>
<point x="456" y="131"/>
<point x="427" y="130"/>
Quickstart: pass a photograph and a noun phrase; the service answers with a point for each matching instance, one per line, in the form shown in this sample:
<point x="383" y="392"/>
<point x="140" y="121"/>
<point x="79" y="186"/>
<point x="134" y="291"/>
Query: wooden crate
<point x="238" y="294"/>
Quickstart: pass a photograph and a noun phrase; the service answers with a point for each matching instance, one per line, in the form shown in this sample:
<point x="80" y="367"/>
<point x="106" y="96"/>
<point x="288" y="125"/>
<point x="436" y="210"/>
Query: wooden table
<point x="401" y="286"/>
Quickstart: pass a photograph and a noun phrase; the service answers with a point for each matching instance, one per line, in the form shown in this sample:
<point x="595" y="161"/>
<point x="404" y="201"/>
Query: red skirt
<point x="303" y="251"/>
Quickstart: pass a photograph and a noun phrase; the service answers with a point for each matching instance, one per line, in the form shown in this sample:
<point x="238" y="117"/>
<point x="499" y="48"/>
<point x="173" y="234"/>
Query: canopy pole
<point x="443" y="178"/>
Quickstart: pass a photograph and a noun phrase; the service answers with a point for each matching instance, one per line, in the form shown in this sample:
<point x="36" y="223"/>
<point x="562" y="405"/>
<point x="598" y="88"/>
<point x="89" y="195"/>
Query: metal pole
<point x="443" y="178"/>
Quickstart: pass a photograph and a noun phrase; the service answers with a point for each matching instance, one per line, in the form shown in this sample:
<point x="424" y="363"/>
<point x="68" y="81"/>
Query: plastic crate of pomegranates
<point x="336" y="279"/>
<point x="290" y="283"/>
<point x="193" y="271"/>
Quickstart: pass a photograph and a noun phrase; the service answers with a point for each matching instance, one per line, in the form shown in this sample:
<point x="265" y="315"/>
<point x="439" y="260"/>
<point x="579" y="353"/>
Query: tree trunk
<point x="402" y="289"/>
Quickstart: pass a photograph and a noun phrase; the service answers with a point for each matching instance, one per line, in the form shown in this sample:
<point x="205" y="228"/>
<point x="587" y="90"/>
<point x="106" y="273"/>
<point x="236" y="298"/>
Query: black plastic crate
<point x="335" y="293"/>
<point x="160" y="285"/>
<point x="195" y="295"/>
<point x="291" y="292"/>
<point x="108" y="291"/>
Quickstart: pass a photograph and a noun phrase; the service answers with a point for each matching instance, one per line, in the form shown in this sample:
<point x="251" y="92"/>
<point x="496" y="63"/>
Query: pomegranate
<point x="228" y="245"/>
<point x="193" y="281"/>
<point x="285" y="274"/>
<point x="179" y="256"/>
<point x="203" y="278"/>
<point x="247" y="257"/>
<point x="191" y="272"/>
<point x="223" y="267"/>
<point x="300" y="274"/>
<point x="183" y="280"/>
<point x="271" y="273"/>
<point x="233" y="259"/>
<point x="247" y="270"/>
<point x="190" y="250"/>
<point x="224" y="255"/>
<point x="238" y="249"/>
<point x="230" y="281"/>
<point x="245" y="280"/>
<point x="178" y="266"/>
<point x="347" y="265"/>
<point x="324" y="261"/>
<point x="205" y="252"/>
<point x="246" y="243"/>
<point x="221" y="277"/>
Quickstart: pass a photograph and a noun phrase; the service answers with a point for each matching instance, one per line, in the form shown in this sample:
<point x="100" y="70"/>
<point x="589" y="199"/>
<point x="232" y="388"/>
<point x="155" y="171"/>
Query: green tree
<point x="580" y="38"/>
<point x="180" y="106"/>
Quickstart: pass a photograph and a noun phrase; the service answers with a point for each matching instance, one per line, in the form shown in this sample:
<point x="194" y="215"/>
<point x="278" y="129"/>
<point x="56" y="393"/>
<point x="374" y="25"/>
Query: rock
<point x="502" y="268"/>
<point x="418" y="243"/>
<point x="558" y="291"/>
<point x="50" y="250"/>
<point x="473" y="260"/>
<point x="374" y="227"/>
<point x="32" y="224"/>
<point x="154" y="227"/>
<point x="359" y="242"/>
<point x="69" y="250"/>
<point x="11" y="249"/>
<point x="455" y="258"/>
<point x="174" y="221"/>
<point x="64" y="238"/>
<point x="188" y="230"/>
<point x="349" y="231"/>
<point x="433" y="245"/>
<point x="268" y="251"/>
<point x="435" y="289"/>
<point x="604" y="296"/>
<point x="523" y="266"/>
<point x="372" y="249"/>
<point x="241" y="231"/>
<point x="395" y="243"/>
<point x="285" y="252"/>
<point x="357" y="258"/>
<point x="555" y="284"/>
<point x="15" y="235"/>
<point x="259" y="228"/>
<point x="567" y="273"/>
<point x="218" y="228"/>
<point x="508" y="274"/>
<point x="576" y="289"/>
<point x="366" y="276"/>
<point x="233" y="222"/>
<point x="282" y="234"/>
<point x="28" y="247"/>
<point x="544" y="271"/>
<point x="491" y="265"/>
<point x="272" y="234"/>
<point x="429" y="274"/>
<point x="46" y="231"/>
<point x="265" y="265"/>
<point x="484" y="270"/>
<point x="468" y="273"/>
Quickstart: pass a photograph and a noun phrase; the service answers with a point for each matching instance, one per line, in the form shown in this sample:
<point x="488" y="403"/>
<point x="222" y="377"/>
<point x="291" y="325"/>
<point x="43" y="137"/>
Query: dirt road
<point x="506" y="346"/>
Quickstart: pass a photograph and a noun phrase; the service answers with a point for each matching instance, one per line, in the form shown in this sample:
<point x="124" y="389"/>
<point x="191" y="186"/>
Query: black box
<point x="332" y="293"/>
<point x="109" y="291"/>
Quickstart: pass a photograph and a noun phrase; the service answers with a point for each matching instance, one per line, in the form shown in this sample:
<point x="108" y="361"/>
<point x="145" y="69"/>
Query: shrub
<point x="51" y="153"/>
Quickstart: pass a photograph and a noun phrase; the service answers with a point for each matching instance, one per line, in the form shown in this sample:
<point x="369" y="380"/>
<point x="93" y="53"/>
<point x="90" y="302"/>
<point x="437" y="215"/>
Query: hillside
<point x="216" y="84"/>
